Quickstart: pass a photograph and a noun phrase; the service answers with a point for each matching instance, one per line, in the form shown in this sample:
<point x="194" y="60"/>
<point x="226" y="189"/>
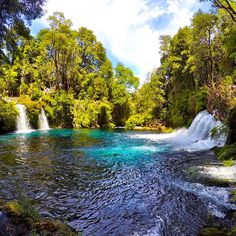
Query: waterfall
<point x="22" y="121"/>
<point x="196" y="137"/>
<point x="43" y="122"/>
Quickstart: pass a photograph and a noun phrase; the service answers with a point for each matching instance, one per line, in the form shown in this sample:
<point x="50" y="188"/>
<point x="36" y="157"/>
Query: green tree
<point x="227" y="5"/>
<point x="13" y="14"/>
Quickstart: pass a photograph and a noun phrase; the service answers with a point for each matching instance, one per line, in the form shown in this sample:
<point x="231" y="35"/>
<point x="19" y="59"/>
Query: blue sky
<point x="129" y="29"/>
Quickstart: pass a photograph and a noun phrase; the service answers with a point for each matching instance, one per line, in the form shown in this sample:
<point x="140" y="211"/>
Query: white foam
<point x="22" y="121"/>
<point x="220" y="172"/>
<point x="146" y="148"/>
<point x="218" y="196"/>
<point x="196" y="137"/>
<point x="43" y="121"/>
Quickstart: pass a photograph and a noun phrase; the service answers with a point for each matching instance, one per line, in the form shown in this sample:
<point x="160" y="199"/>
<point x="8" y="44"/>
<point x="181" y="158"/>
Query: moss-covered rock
<point x="211" y="231"/>
<point x="19" y="218"/>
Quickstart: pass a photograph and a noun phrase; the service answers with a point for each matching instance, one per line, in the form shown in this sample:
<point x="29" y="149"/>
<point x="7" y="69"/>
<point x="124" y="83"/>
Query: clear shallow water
<point x="107" y="182"/>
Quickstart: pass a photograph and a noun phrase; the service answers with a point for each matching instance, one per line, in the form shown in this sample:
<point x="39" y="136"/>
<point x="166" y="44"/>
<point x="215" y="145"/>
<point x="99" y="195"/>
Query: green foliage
<point x="23" y="218"/>
<point x="228" y="152"/>
<point x="59" y="108"/>
<point x="67" y="72"/>
<point x="104" y="119"/>
<point x="8" y="80"/>
<point x="197" y="72"/>
<point x="228" y="163"/>
<point x="22" y="208"/>
<point x="233" y="195"/>
<point x="8" y="114"/>
<point x="216" y="132"/>
<point x="126" y="77"/>
<point x="135" y="120"/>
<point x="121" y="103"/>
<point x="89" y="113"/>
<point x="14" y="15"/>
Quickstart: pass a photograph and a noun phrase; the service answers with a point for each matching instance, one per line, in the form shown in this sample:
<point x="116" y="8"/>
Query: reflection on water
<point x="102" y="182"/>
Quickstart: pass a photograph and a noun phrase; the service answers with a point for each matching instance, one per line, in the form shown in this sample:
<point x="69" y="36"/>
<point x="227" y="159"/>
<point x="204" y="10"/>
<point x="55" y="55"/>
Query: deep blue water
<point x="103" y="182"/>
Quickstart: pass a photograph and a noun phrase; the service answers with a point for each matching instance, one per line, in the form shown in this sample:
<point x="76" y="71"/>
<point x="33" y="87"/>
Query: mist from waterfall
<point x="196" y="137"/>
<point x="43" y="121"/>
<point x="22" y="121"/>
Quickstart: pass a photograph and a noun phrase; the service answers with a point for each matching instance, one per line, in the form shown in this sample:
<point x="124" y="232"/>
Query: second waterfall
<point x="43" y="121"/>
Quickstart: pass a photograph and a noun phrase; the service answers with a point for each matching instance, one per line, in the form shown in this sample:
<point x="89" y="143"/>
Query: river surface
<point x="105" y="182"/>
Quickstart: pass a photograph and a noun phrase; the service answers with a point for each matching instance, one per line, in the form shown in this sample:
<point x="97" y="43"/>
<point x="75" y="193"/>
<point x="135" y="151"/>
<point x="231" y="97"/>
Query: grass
<point x="228" y="152"/>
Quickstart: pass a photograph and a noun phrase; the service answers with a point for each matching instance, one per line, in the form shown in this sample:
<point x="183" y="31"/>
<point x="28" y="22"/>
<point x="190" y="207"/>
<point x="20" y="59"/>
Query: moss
<point x="53" y="226"/>
<point x="23" y="209"/>
<point x="233" y="196"/>
<point x="21" y="218"/>
<point x="228" y="163"/>
<point x="228" y="152"/>
<point x="211" y="231"/>
<point x="13" y="208"/>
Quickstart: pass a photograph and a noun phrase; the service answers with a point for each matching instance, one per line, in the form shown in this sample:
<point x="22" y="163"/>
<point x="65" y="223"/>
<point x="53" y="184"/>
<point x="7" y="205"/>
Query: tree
<point x="227" y="5"/>
<point x="59" y="41"/>
<point x="204" y="31"/>
<point x="13" y="14"/>
<point x="126" y="77"/>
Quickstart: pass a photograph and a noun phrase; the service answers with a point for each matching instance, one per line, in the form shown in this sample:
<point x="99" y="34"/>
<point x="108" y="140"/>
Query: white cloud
<point x="124" y="27"/>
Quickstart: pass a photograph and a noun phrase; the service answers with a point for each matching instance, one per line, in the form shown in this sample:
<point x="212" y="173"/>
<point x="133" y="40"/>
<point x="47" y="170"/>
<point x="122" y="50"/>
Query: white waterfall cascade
<point x="196" y="137"/>
<point x="43" y="121"/>
<point x="22" y="121"/>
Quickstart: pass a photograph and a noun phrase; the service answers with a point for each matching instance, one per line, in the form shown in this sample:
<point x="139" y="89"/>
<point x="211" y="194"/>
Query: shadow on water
<point x="104" y="182"/>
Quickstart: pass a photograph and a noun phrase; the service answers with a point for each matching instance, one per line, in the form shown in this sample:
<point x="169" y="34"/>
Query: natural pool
<point x="104" y="182"/>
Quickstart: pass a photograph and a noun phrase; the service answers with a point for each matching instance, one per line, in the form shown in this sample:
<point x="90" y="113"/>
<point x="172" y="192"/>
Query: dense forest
<point x="68" y="73"/>
<point x="103" y="182"/>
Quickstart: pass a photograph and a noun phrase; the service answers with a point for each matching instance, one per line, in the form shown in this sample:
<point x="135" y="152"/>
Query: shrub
<point x="89" y="113"/>
<point x="104" y="118"/>
<point x="228" y="152"/>
<point x="134" y="121"/>
<point x="8" y="115"/>
<point x="58" y="107"/>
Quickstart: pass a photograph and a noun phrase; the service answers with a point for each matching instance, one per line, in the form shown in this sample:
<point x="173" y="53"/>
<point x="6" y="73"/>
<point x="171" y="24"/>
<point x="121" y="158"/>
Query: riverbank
<point x="160" y="128"/>
<point x="21" y="218"/>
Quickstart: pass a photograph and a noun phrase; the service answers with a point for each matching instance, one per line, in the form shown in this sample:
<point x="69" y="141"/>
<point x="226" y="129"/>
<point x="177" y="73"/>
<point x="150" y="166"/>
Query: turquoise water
<point x="102" y="182"/>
